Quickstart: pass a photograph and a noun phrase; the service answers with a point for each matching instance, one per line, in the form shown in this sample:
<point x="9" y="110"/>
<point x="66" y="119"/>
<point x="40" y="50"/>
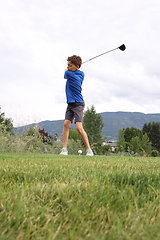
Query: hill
<point x="113" y="121"/>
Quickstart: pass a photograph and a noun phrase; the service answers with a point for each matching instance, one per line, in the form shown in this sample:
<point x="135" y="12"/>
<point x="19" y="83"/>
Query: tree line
<point x="130" y="140"/>
<point x="144" y="142"/>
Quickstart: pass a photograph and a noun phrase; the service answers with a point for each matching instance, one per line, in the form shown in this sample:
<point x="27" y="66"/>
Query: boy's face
<point x="71" y="67"/>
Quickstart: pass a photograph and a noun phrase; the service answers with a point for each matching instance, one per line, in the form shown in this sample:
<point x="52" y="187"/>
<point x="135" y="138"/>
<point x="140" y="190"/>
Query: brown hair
<point x="76" y="60"/>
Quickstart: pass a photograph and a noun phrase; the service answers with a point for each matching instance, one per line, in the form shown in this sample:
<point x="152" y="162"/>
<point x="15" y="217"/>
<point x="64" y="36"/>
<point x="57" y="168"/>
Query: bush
<point x="154" y="153"/>
<point x="33" y="142"/>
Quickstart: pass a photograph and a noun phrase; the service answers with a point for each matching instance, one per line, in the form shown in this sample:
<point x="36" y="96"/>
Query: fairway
<point x="44" y="196"/>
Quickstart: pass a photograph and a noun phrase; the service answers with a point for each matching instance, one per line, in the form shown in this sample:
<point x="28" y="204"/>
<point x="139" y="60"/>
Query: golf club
<point x="122" y="48"/>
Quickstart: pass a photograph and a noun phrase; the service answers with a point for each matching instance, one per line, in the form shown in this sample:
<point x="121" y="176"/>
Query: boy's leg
<point x="83" y="134"/>
<point x="66" y="127"/>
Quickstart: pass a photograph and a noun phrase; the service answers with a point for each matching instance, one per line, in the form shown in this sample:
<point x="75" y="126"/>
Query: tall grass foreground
<point x="45" y="196"/>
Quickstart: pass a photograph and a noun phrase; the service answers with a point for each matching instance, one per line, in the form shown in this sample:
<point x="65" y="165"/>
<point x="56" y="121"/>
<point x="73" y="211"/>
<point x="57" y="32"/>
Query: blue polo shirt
<point x="74" y="86"/>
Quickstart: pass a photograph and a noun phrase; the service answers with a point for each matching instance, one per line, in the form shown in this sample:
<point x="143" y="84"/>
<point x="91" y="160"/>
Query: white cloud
<point x="36" y="37"/>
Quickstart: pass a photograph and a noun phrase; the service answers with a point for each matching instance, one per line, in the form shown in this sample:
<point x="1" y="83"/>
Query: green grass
<point x="47" y="197"/>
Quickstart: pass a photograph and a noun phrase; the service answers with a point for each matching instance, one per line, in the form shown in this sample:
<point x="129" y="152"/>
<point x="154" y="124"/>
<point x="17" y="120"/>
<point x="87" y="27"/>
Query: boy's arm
<point x="65" y="73"/>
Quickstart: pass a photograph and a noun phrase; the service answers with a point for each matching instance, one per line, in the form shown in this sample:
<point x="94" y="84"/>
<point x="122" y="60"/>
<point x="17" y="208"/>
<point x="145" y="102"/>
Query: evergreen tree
<point x="93" y="124"/>
<point x="153" y="132"/>
<point x="135" y="144"/>
<point x="146" y="146"/>
<point x="121" y="144"/>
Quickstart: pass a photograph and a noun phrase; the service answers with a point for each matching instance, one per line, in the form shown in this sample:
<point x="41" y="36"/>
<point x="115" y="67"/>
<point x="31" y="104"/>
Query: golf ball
<point x="79" y="151"/>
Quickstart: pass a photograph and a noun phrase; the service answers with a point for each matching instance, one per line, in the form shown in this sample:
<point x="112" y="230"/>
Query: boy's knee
<point x="67" y="124"/>
<point x="79" y="128"/>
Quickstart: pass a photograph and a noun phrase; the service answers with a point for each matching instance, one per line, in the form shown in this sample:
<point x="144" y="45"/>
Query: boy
<point x="75" y="102"/>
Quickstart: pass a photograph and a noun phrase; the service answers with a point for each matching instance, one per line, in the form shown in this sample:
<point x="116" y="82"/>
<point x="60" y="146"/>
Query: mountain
<point x="113" y="121"/>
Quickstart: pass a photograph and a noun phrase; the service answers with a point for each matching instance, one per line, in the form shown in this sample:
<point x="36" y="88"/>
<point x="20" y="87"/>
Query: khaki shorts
<point x="74" y="110"/>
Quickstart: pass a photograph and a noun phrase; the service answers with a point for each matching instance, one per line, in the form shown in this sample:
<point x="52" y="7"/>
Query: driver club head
<point x="122" y="47"/>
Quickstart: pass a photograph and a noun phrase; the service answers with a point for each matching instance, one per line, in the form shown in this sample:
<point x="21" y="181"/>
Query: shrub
<point x="154" y="153"/>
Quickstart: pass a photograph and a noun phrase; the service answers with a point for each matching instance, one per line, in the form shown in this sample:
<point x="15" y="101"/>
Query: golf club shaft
<point x="99" y="55"/>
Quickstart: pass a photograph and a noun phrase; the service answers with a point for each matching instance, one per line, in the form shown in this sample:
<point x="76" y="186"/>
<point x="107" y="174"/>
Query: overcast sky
<point x="37" y="36"/>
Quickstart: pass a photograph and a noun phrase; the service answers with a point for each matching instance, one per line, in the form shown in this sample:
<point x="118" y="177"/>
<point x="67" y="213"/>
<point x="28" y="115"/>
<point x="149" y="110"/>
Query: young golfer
<point x="75" y="102"/>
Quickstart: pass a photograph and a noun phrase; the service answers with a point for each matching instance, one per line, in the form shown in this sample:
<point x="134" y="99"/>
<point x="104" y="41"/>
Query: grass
<point x="45" y="196"/>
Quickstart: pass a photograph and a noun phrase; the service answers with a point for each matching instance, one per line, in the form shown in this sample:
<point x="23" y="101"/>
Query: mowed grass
<point x="47" y="197"/>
